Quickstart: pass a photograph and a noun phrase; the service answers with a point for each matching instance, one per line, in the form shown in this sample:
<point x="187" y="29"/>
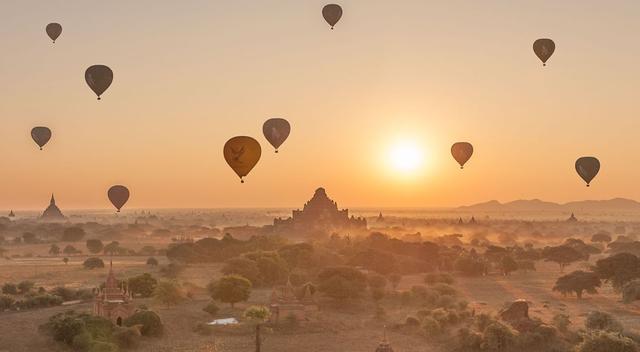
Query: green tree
<point x="94" y="246"/>
<point x="257" y="315"/>
<point x="577" y="282"/>
<point x="563" y="255"/>
<point x="70" y="250"/>
<point x="73" y="234"/>
<point x="10" y="289"/>
<point x="603" y="341"/>
<point x="93" y="263"/>
<point x="150" y="321"/>
<point x="25" y="286"/>
<point x="152" y="261"/>
<point x="231" y="289"/>
<point x="112" y="248"/>
<point x="244" y="267"/>
<point x="65" y="260"/>
<point x="631" y="291"/>
<point x="342" y="283"/>
<point x="54" y="249"/>
<point x="602" y="321"/>
<point x="508" y="265"/>
<point x="168" y="293"/>
<point x="211" y="308"/>
<point x="618" y="269"/>
<point x="29" y="238"/>
<point x="601" y="237"/>
<point x="143" y="285"/>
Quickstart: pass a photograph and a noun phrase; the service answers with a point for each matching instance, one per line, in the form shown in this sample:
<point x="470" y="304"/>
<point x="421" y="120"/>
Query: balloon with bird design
<point x="242" y="153"/>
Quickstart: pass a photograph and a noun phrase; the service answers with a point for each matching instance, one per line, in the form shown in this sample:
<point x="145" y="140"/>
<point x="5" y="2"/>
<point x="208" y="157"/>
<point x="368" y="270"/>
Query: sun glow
<point x="405" y="156"/>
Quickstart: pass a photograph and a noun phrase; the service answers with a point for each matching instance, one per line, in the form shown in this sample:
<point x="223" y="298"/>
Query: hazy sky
<point x="190" y="74"/>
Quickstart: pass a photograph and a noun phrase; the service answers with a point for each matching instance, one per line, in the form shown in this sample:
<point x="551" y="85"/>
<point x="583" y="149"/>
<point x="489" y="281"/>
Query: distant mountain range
<point x="616" y="204"/>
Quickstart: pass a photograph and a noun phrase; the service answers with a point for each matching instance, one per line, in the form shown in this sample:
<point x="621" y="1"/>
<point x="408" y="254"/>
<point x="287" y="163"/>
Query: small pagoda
<point x="285" y="303"/>
<point x="52" y="213"/>
<point x="113" y="302"/>
<point x="572" y="218"/>
<point x="384" y="345"/>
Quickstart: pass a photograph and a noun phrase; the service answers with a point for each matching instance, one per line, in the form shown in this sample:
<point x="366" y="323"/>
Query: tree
<point x="508" y="265"/>
<point x="231" y="289"/>
<point x="143" y="285"/>
<point x="25" y="286"/>
<point x="395" y="280"/>
<point x="93" y="263"/>
<point x="577" y="282"/>
<point x="603" y="341"/>
<point x="94" y="246"/>
<point x="601" y="237"/>
<point x="54" y="249"/>
<point x="602" y="321"/>
<point x="526" y="265"/>
<point x="147" y="250"/>
<point x="342" y="283"/>
<point x="10" y="289"/>
<point x="69" y="250"/>
<point x="618" y="269"/>
<point x="150" y="321"/>
<point x="377" y="284"/>
<point x="563" y="255"/>
<point x="73" y="234"/>
<point x="65" y="260"/>
<point x="244" y="267"/>
<point x="258" y="315"/>
<point x="631" y="291"/>
<point x="168" y="293"/>
<point x="152" y="261"/>
<point x="112" y="248"/>
<point x="211" y="308"/>
<point x="29" y="238"/>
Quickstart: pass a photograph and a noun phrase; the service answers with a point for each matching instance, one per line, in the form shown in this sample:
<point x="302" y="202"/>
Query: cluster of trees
<point x="214" y="250"/>
<point x="86" y="333"/>
<point x="24" y="295"/>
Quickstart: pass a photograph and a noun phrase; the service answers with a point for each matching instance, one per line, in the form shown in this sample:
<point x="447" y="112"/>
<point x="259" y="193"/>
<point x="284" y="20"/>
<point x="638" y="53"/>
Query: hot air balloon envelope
<point x="462" y="152"/>
<point x="544" y="48"/>
<point x="118" y="195"/>
<point x="54" y="30"/>
<point x="242" y="154"/>
<point x="276" y="131"/>
<point x="41" y="135"/>
<point x="332" y="14"/>
<point x="99" y="78"/>
<point x="587" y="167"/>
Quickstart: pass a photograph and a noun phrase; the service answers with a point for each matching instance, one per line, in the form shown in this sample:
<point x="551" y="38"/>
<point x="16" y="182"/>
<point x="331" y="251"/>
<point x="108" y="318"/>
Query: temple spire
<point x="53" y="200"/>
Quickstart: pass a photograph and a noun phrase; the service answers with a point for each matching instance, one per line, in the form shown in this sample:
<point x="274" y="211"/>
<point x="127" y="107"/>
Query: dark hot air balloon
<point x="41" y="135"/>
<point x="544" y="48"/>
<point x="332" y="14"/>
<point x="99" y="78"/>
<point x="54" y="30"/>
<point x="276" y="131"/>
<point x="462" y="152"/>
<point x="587" y="167"/>
<point x="242" y="154"/>
<point x="118" y="195"/>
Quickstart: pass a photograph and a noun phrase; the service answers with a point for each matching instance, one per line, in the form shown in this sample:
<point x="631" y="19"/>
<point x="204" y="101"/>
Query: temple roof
<point x="52" y="212"/>
<point x="384" y="345"/>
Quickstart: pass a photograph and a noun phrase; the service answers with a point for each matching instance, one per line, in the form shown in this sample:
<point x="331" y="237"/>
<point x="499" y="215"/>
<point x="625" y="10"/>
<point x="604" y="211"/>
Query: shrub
<point x="602" y="321"/>
<point x="631" y="291"/>
<point x="6" y="302"/>
<point x="444" y="289"/>
<point x="562" y="322"/>
<point x="497" y="337"/>
<point x="93" y="263"/>
<point x="211" y="308"/>
<point x="152" y="261"/>
<point x="412" y="321"/>
<point x="150" y="321"/>
<point x="603" y="341"/>
<point x="230" y="289"/>
<point x="431" y="327"/>
<point x="469" y="340"/>
<point x="434" y="278"/>
<point x="10" y="289"/>
<point x="25" y="286"/>
<point x="127" y="337"/>
<point x="143" y="285"/>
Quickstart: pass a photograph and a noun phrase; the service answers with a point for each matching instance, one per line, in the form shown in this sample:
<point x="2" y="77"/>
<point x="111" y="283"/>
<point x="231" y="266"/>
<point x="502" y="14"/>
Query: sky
<point x="414" y="76"/>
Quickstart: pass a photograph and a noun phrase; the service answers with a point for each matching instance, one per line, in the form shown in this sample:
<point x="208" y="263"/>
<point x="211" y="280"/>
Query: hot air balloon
<point x="118" y="195"/>
<point x="54" y="30"/>
<point x="242" y="154"/>
<point x="99" y="78"/>
<point x="276" y="131"/>
<point x="587" y="167"/>
<point x="41" y="135"/>
<point x="462" y="152"/>
<point x="332" y="14"/>
<point x="544" y="48"/>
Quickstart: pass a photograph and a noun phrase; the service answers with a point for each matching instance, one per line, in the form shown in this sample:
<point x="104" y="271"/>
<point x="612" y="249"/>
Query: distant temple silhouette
<point x="113" y="302"/>
<point x="11" y="214"/>
<point x="320" y="213"/>
<point x="52" y="213"/>
<point x="572" y="218"/>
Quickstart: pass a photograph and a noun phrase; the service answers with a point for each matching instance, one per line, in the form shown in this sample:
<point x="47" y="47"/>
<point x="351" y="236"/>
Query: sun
<point x="405" y="156"/>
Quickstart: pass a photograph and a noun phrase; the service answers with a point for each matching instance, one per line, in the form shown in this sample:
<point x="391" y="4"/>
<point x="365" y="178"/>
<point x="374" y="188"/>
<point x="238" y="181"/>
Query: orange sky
<point x="188" y="75"/>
